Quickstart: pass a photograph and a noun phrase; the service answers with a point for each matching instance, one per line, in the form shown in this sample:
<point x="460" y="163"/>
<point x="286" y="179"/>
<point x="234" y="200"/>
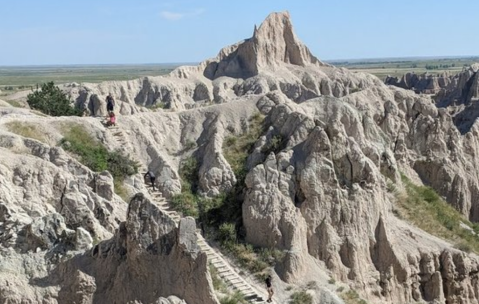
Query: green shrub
<point x="187" y="201"/>
<point x="301" y="297"/>
<point x="95" y="156"/>
<point x="227" y="233"/>
<point x="236" y="298"/>
<point x="52" y="101"/>
<point x="274" y="145"/>
<point x="352" y="297"/>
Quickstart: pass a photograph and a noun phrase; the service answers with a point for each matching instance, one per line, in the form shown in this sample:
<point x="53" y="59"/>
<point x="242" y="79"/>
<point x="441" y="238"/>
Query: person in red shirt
<point x="112" y="120"/>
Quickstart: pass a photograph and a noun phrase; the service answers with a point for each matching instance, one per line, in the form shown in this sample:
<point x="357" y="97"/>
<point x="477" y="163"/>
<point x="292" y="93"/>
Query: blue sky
<point x="147" y="31"/>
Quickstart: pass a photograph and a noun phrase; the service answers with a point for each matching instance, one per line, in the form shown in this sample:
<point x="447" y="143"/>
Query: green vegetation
<point x="17" y="78"/>
<point x="424" y="208"/>
<point x="400" y="66"/>
<point x="301" y="297"/>
<point x="275" y="145"/>
<point x="95" y="156"/>
<point x="218" y="283"/>
<point x="235" y="298"/>
<point x="52" y="101"/>
<point x="14" y="103"/>
<point x="352" y="297"/>
<point x="221" y="216"/>
<point x="256" y="260"/>
<point x="187" y="201"/>
<point x="25" y="130"/>
<point x="237" y="148"/>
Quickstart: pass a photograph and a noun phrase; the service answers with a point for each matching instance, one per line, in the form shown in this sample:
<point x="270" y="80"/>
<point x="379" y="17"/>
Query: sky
<point x="34" y="32"/>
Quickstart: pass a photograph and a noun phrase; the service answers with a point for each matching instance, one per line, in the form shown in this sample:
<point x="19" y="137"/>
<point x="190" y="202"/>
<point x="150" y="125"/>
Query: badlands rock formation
<point x="458" y="93"/>
<point x="321" y="195"/>
<point x="273" y="59"/>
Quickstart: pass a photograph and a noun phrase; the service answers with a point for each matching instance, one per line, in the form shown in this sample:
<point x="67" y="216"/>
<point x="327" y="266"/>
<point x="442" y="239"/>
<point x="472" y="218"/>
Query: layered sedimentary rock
<point x="316" y="186"/>
<point x="272" y="59"/>
<point x="458" y="93"/>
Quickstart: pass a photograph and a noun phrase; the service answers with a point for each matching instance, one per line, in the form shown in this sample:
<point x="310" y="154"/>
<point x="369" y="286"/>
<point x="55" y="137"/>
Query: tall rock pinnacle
<point x="273" y="44"/>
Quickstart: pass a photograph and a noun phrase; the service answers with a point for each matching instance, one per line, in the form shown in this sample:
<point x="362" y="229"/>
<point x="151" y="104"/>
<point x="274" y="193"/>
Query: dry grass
<point x="25" y="130"/>
<point x="425" y="209"/>
<point x="352" y="297"/>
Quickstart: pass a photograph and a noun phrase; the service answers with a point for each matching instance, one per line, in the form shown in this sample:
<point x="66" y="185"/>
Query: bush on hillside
<point x="301" y="297"/>
<point x="52" y="101"/>
<point x="95" y="156"/>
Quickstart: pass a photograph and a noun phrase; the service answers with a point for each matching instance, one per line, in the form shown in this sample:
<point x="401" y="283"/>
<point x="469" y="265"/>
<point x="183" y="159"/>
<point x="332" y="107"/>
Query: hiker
<point x="152" y="178"/>
<point x="269" y="288"/>
<point x="110" y="103"/>
<point x="112" y="120"/>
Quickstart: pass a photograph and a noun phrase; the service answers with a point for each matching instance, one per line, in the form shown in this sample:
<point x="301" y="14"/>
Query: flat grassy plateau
<point x="15" y="78"/>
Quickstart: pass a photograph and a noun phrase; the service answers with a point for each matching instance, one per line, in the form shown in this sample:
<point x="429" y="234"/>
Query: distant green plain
<point x="13" y="78"/>
<point x="400" y="66"/>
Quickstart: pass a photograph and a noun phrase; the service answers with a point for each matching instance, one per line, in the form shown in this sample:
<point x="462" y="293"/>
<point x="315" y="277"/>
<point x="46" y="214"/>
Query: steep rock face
<point x="458" y="93"/>
<point x="325" y="193"/>
<point x="273" y="44"/>
<point x="148" y="258"/>
<point x="423" y="83"/>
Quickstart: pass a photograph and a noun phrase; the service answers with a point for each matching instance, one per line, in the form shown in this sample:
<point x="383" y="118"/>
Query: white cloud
<point x="173" y="16"/>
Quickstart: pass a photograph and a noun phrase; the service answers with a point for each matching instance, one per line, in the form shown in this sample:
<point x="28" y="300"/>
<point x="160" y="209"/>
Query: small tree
<point x="52" y="101"/>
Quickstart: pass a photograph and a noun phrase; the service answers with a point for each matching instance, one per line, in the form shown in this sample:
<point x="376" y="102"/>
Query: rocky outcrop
<point x="316" y="187"/>
<point x="148" y="258"/>
<point x="324" y="193"/>
<point x="421" y="83"/>
<point x="272" y="59"/>
<point x="458" y="93"/>
<point x="273" y="44"/>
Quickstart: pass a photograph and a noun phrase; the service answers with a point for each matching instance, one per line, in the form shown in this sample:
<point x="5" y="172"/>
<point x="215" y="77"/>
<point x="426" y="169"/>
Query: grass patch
<point x="352" y="297"/>
<point x="218" y="283"/>
<point x="15" y="103"/>
<point x="256" y="261"/>
<point x="25" y="130"/>
<point x="120" y="190"/>
<point x="235" y="298"/>
<point x="95" y="156"/>
<point x="423" y="207"/>
<point x="301" y="297"/>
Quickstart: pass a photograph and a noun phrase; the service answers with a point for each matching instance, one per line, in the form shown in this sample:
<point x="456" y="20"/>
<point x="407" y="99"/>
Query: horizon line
<point x="196" y="63"/>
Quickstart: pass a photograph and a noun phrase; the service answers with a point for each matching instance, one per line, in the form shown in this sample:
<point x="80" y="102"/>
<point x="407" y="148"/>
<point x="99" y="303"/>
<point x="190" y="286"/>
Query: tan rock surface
<point x="321" y="195"/>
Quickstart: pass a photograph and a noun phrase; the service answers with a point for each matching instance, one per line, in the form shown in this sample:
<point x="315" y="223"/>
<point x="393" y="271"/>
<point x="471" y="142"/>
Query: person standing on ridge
<point x="152" y="178"/>
<point x="110" y="103"/>
<point x="269" y="288"/>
